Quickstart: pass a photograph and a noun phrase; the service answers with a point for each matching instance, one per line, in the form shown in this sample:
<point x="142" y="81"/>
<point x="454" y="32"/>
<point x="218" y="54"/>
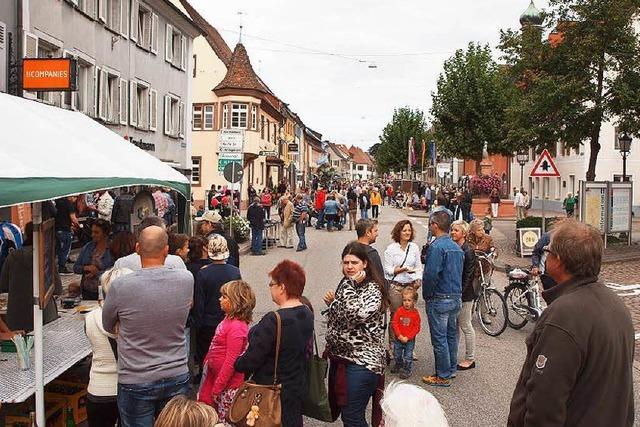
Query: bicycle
<point x="489" y="306"/>
<point x="522" y="297"/>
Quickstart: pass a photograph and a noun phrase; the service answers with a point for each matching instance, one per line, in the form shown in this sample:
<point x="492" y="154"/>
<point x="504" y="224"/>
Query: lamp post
<point x="624" y="145"/>
<point x="523" y="157"/>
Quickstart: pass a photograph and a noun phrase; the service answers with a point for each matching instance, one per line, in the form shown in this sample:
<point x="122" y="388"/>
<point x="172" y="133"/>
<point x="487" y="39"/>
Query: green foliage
<point x="567" y="88"/>
<point x="392" y="151"/>
<point x="469" y="105"/>
<point x="534" y="221"/>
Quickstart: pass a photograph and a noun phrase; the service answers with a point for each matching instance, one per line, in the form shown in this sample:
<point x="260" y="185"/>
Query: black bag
<point x="423" y="253"/>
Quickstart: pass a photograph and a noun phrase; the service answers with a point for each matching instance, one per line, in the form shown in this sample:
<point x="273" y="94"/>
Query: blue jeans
<point x="300" y="230"/>
<point x="320" y="222"/>
<point x="256" y="240"/>
<point x="140" y="403"/>
<point x="443" y="325"/>
<point x="63" y="246"/>
<point x="330" y="221"/>
<point x="364" y="214"/>
<point x="403" y="354"/>
<point x="361" y="386"/>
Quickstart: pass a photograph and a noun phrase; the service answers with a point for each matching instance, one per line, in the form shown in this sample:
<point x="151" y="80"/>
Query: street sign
<point x="268" y="153"/>
<point x="230" y="156"/>
<point x="233" y="172"/>
<point x="231" y="140"/>
<point x="293" y="148"/>
<point x="545" y="166"/>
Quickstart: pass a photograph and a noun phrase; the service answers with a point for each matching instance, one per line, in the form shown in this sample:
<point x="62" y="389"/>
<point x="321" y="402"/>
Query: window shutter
<point x="133" y="31"/>
<point x="167" y="115"/>
<point x="95" y="94"/>
<point x="102" y="10"/>
<point x="153" y="109"/>
<point x="30" y="45"/>
<point x="181" y="120"/>
<point x="104" y="95"/>
<point x="146" y="38"/>
<point x="168" y="44"/>
<point x="154" y="33"/>
<point x="133" y="103"/>
<point x="90" y="8"/>
<point x="183" y="51"/>
<point x="124" y="18"/>
<point x="124" y="90"/>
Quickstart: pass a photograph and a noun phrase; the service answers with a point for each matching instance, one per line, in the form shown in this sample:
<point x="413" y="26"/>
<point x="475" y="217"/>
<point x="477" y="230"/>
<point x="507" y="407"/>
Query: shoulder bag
<point x="316" y="404"/>
<point x="259" y="405"/>
<point x="406" y="253"/>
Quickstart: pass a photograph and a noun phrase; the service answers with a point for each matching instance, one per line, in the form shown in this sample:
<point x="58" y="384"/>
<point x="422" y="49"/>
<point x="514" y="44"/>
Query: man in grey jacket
<point x="579" y="365"/>
<point x="148" y="310"/>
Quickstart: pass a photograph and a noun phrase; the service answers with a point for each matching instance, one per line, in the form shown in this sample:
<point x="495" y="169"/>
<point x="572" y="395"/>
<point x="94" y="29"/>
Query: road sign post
<point x="231" y="146"/>
<point x="545" y="167"/>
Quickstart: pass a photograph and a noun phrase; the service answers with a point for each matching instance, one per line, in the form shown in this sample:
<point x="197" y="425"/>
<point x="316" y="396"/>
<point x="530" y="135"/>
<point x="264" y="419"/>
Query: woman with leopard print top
<point x="355" y="336"/>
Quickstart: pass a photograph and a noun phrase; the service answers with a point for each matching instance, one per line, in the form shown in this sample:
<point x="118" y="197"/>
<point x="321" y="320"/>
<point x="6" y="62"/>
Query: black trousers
<point x="374" y="211"/>
<point x="102" y="413"/>
<point x="204" y="336"/>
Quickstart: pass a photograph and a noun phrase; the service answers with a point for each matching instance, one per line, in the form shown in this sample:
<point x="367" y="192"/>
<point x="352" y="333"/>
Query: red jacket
<point x="321" y="197"/>
<point x="406" y="322"/>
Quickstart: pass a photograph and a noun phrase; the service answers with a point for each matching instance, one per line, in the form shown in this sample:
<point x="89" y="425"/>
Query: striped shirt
<point x="299" y="210"/>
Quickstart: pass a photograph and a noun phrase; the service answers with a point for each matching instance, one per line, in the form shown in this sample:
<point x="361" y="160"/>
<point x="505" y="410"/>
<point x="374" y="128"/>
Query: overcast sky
<point x="316" y="56"/>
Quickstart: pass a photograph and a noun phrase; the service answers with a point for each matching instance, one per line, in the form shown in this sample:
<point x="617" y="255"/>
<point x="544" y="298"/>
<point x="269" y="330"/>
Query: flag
<point x="432" y="151"/>
<point x="424" y="148"/>
<point x="412" y="152"/>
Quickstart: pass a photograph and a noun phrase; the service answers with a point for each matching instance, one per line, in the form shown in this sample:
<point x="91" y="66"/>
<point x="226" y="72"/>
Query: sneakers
<point x="405" y="374"/>
<point x="436" y="381"/>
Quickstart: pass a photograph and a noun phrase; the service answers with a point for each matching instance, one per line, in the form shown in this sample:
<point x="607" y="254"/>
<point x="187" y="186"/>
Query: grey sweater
<point x="152" y="306"/>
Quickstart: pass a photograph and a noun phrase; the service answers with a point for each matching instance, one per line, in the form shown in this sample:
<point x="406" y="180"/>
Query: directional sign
<point x="231" y="140"/>
<point x="233" y="172"/>
<point x="545" y="166"/>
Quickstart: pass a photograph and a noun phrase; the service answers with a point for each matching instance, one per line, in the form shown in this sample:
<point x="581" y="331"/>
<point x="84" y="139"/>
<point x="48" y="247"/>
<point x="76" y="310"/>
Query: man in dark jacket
<point x="210" y="224"/>
<point x="367" y="232"/>
<point x="579" y="365"/>
<point x="255" y="216"/>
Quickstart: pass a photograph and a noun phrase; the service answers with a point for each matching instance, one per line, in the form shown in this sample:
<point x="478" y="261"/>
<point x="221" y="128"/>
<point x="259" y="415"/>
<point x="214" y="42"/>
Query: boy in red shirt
<point x="406" y="325"/>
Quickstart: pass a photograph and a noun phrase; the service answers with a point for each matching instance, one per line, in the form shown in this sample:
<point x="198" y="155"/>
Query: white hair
<point x="407" y="405"/>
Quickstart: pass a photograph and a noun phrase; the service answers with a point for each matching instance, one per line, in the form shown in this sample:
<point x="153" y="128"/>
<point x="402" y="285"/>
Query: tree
<point x="393" y="150"/>
<point x="584" y="74"/>
<point x="470" y="103"/>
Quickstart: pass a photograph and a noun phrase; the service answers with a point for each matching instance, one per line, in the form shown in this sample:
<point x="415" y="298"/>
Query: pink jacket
<point x="229" y="342"/>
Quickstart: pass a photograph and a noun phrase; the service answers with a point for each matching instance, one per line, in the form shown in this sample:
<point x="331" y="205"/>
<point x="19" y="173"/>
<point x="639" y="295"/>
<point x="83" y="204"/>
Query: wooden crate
<point x="75" y="395"/>
<point x="55" y="408"/>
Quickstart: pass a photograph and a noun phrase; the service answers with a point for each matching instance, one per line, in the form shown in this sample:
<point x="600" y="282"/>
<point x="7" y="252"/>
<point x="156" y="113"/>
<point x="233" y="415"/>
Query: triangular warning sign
<point x="545" y="166"/>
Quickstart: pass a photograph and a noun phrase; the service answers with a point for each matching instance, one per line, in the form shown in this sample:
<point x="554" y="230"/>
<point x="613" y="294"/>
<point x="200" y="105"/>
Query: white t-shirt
<point x="132" y="262"/>
<point x="393" y="257"/>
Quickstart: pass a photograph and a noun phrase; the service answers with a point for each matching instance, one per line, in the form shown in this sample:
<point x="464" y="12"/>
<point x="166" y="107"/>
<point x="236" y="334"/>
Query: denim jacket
<point x="443" y="269"/>
<point x="85" y="258"/>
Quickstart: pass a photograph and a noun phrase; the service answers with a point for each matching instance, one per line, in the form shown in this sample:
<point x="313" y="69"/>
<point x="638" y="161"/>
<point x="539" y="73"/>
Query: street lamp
<point x="624" y="145"/>
<point x="523" y="157"/>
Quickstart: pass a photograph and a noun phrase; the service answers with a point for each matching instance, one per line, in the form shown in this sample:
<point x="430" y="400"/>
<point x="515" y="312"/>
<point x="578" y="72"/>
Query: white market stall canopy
<point x="48" y="152"/>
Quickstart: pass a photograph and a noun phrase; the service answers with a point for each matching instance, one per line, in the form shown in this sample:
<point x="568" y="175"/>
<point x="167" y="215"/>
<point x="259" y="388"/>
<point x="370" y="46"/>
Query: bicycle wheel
<point x="491" y="310"/>
<point x="515" y="305"/>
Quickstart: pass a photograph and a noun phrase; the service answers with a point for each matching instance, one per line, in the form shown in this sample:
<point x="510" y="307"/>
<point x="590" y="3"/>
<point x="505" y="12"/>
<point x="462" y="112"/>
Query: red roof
<point x="212" y="35"/>
<point x="240" y="74"/>
<point x="359" y="156"/>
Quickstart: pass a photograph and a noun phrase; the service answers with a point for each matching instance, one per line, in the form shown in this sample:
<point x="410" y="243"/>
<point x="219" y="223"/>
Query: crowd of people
<point x="175" y="317"/>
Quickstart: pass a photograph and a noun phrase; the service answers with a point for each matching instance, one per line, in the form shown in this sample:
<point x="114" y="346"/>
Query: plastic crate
<point x="55" y="409"/>
<point x="75" y="395"/>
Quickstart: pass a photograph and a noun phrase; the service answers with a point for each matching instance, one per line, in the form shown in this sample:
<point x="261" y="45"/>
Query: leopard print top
<point x="355" y="329"/>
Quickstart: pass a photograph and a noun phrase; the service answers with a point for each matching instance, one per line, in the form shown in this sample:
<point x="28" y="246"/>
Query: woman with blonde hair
<point x="459" y="232"/>
<point x="102" y="405"/>
<point x="220" y="381"/>
<point x="183" y="412"/>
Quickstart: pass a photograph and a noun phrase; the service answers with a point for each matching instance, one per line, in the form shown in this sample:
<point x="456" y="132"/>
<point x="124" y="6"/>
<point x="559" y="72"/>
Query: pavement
<point x="477" y="398"/>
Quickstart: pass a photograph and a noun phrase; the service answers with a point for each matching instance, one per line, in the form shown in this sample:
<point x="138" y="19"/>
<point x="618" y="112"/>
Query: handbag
<point x="316" y="403"/>
<point x="406" y="253"/>
<point x="259" y="405"/>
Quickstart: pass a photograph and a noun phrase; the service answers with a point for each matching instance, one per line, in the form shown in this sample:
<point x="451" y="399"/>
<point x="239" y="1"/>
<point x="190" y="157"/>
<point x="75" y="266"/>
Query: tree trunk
<point x="596" y="124"/>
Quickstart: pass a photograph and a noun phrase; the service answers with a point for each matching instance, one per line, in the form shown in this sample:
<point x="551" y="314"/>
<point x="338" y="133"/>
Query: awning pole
<point x="37" y="315"/>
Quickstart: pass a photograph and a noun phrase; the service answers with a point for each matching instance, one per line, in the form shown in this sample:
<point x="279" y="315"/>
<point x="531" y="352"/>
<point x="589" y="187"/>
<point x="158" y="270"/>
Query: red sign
<point x="48" y="74"/>
<point x="545" y="166"/>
